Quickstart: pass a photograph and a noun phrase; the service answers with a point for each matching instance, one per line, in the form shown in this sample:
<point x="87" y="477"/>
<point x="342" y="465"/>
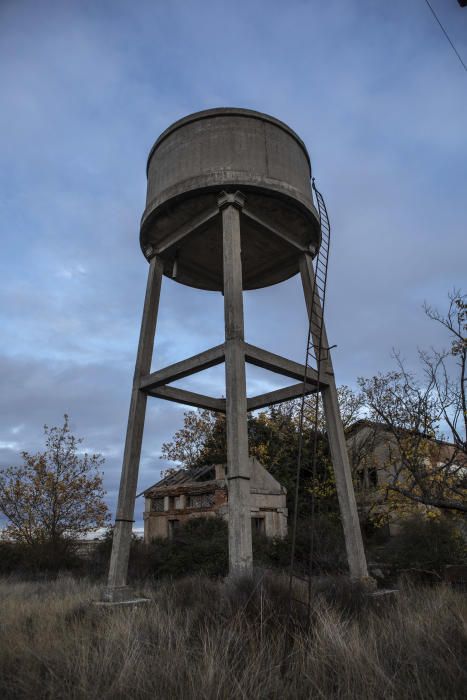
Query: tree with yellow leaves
<point x="56" y="495"/>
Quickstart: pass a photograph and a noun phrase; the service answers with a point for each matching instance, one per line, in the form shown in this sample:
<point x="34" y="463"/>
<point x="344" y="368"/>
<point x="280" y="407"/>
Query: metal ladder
<point x="315" y="354"/>
<point x="319" y="287"/>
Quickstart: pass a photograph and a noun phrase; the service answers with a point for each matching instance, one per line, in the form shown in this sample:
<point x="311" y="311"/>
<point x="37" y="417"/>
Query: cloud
<point x="375" y="93"/>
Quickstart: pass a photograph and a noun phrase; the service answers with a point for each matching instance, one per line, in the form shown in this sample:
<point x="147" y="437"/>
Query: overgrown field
<point x="200" y="638"/>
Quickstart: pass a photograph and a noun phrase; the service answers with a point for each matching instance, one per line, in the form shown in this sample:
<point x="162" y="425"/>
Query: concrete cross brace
<point x="215" y="356"/>
<point x="280" y="365"/>
<point x="195" y="225"/>
<point x="218" y="405"/>
<point x="294" y="391"/>
<point x="184" y="368"/>
<point x="188" y="398"/>
<point x="275" y="231"/>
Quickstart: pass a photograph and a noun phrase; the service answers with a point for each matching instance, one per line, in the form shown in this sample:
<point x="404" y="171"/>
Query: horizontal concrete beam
<point x="189" y="398"/>
<point x="197" y="363"/>
<point x="194" y="270"/>
<point x="194" y="225"/>
<point x="294" y="391"/>
<point x="275" y="231"/>
<point x="280" y="365"/>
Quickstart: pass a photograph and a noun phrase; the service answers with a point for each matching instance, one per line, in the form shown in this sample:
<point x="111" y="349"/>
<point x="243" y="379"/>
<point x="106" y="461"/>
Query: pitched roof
<point x="376" y="425"/>
<point x="183" y="476"/>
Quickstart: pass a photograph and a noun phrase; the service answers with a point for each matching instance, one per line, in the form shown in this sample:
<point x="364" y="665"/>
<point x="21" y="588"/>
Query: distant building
<point x="202" y="492"/>
<point x="375" y="459"/>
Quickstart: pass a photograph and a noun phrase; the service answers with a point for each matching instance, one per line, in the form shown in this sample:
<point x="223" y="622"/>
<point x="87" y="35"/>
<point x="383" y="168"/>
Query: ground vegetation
<point x="201" y="638"/>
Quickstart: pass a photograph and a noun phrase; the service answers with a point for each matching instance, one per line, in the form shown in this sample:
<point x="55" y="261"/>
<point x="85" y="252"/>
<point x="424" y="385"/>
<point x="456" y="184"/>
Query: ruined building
<point x="375" y="456"/>
<point x="202" y="492"/>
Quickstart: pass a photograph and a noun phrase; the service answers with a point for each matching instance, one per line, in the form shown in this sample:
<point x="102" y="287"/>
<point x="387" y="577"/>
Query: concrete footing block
<point x="121" y="603"/>
<point x="121" y="595"/>
<point x="384" y="593"/>
<point x="368" y="582"/>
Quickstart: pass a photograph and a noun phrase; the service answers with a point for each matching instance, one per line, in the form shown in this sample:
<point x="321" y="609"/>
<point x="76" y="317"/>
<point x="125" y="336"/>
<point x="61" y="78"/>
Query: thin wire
<point x="447" y="36"/>
<point x="318" y="354"/>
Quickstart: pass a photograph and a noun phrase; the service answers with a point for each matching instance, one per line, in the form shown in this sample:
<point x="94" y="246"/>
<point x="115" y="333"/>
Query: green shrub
<point x="199" y="546"/>
<point x="426" y="544"/>
<point x="11" y="557"/>
<point x="328" y="547"/>
<point x="40" y="558"/>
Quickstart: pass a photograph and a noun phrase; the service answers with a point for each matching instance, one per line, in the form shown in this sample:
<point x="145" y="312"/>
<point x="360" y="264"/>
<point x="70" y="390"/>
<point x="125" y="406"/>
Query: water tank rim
<point x="225" y="112"/>
<point x="154" y="207"/>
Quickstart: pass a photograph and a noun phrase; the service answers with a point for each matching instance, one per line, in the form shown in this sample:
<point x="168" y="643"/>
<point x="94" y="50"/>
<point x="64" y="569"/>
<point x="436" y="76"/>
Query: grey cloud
<point x="87" y="88"/>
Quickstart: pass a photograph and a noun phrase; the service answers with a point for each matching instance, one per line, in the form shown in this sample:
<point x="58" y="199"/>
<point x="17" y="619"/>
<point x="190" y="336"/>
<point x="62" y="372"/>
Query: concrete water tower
<point x="229" y="207"/>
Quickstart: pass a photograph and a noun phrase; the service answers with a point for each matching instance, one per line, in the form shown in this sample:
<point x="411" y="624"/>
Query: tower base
<point x="120" y="595"/>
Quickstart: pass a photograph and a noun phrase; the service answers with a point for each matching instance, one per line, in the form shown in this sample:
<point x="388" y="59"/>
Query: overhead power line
<point x="447" y="36"/>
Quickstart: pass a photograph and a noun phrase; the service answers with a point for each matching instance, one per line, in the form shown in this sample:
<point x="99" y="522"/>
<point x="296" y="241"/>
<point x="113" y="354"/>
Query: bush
<point x="11" y="557"/>
<point x="426" y="544"/>
<point x="40" y="558"/>
<point x="198" y="547"/>
<point x="328" y="547"/>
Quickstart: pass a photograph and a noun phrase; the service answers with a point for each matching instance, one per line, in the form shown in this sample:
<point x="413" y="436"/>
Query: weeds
<point x="200" y="638"/>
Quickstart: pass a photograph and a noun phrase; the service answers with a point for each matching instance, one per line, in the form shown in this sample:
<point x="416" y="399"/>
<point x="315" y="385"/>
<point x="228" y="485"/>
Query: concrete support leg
<point x="238" y="465"/>
<point x="116" y="590"/>
<point x="345" y="491"/>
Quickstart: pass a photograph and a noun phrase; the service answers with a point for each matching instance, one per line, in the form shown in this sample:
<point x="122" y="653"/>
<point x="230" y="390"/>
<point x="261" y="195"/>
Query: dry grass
<point x="201" y="639"/>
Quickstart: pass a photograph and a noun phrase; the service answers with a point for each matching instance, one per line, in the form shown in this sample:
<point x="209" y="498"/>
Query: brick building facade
<point x="202" y="492"/>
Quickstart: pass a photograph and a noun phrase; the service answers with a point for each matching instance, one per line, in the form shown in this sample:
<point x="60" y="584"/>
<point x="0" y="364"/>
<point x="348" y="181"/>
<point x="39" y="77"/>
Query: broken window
<point x="360" y="480"/>
<point x="367" y="478"/>
<point x="258" y="526"/>
<point x="157" y="505"/>
<point x="201" y="500"/>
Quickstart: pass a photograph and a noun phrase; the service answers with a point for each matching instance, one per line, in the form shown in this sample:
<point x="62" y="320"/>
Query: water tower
<point x="229" y="207"/>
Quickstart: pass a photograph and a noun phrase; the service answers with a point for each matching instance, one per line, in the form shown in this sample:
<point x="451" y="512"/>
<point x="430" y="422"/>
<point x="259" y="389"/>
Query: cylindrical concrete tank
<point x="229" y="149"/>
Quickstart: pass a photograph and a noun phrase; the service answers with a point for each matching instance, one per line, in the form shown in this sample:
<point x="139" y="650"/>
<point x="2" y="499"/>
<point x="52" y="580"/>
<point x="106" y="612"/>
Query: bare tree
<point x="426" y="420"/>
<point x="189" y="442"/>
<point x="450" y="387"/>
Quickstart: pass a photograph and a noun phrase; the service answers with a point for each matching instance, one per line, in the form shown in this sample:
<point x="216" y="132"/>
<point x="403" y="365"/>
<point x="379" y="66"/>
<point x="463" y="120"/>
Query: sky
<point x="373" y="89"/>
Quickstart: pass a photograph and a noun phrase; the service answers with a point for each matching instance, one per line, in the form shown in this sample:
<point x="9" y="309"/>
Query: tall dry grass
<point x="200" y="638"/>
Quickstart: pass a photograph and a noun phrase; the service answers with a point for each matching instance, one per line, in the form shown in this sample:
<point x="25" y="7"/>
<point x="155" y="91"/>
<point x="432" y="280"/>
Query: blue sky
<point x="373" y="89"/>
